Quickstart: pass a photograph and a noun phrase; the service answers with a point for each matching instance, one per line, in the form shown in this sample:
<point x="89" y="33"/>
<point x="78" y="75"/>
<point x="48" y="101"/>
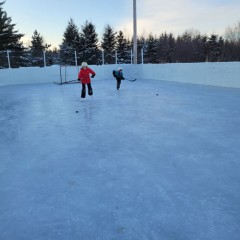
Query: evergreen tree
<point x="53" y="56"/>
<point x="123" y="48"/>
<point x="186" y="48"/>
<point x="89" y="51"/>
<point x="109" y="44"/>
<point x="151" y="50"/>
<point x="220" y="49"/>
<point x="166" y="48"/>
<point x="142" y="46"/>
<point x="38" y="44"/>
<point x="37" y="48"/>
<point x="9" y="39"/>
<point x="199" y="48"/>
<point x="171" y="49"/>
<point x="70" y="43"/>
<point x="214" y="48"/>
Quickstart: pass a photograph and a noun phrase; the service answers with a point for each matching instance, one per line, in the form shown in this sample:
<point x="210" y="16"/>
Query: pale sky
<point x="50" y="17"/>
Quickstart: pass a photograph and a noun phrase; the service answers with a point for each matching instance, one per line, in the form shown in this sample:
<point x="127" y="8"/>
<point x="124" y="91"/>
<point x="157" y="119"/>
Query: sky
<point x="50" y="17"/>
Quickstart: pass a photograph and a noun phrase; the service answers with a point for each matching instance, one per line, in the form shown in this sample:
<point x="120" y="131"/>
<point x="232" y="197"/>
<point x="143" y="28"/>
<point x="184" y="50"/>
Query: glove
<point x="93" y="75"/>
<point x="123" y="78"/>
<point x="79" y="79"/>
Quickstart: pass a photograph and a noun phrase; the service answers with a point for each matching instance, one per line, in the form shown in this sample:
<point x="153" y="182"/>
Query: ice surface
<point x="130" y="164"/>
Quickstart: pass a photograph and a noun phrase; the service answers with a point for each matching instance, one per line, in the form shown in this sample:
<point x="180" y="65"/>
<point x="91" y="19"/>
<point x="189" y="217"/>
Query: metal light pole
<point x="134" y="32"/>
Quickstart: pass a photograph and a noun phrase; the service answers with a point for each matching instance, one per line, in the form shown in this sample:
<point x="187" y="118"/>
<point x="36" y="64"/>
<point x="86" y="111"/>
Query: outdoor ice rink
<point x="154" y="161"/>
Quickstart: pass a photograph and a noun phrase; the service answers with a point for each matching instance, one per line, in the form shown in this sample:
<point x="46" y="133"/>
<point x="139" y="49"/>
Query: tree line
<point x="191" y="46"/>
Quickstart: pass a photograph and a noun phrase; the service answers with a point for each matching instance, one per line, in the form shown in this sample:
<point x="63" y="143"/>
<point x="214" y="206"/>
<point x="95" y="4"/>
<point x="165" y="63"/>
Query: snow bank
<point x="216" y="74"/>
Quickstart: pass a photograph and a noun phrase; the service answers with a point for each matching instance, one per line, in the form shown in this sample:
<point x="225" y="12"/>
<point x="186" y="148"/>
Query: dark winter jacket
<point x="118" y="75"/>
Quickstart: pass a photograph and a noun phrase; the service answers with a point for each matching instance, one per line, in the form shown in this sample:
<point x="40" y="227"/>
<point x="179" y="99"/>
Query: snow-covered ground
<point x="155" y="160"/>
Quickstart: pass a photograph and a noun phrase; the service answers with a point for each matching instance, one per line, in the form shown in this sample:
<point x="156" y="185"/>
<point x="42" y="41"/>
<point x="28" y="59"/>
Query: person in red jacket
<point x="84" y="77"/>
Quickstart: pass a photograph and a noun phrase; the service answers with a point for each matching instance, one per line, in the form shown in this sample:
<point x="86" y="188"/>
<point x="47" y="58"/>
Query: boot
<point x="83" y="94"/>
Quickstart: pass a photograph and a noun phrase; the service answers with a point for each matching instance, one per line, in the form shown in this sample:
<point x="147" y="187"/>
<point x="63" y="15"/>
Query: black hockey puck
<point x="76" y="111"/>
<point x="157" y="94"/>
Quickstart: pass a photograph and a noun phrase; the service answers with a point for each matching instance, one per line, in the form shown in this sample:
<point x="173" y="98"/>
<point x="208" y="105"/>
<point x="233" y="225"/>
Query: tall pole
<point x="134" y="32"/>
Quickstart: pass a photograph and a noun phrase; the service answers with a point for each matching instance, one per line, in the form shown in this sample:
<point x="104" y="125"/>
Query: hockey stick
<point x="73" y="81"/>
<point x="68" y="82"/>
<point x="131" y="80"/>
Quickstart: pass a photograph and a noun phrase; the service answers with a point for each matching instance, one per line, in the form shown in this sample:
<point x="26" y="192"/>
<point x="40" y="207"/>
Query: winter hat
<point x="120" y="69"/>
<point x="84" y="64"/>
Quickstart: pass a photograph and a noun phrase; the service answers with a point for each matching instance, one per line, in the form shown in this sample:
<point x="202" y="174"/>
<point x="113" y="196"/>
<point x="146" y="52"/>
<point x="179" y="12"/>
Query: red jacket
<point x="84" y="75"/>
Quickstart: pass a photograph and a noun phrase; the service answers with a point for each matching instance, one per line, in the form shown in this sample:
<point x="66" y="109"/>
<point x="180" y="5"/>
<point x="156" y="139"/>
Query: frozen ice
<point x="155" y="160"/>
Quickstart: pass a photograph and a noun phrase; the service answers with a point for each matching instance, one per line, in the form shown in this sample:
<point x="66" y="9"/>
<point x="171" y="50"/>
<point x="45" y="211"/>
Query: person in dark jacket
<point x="118" y="74"/>
<point x="84" y="77"/>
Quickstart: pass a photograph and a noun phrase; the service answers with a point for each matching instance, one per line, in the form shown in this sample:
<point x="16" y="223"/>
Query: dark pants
<point x="90" y="91"/>
<point x="118" y="83"/>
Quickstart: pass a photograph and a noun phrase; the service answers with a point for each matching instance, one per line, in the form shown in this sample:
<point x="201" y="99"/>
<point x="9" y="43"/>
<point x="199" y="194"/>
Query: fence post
<point x="44" y="58"/>
<point x="131" y="56"/>
<point x="8" y="57"/>
<point x="103" y="57"/>
<point x="116" y="57"/>
<point x="76" y="63"/>
<point x="142" y="54"/>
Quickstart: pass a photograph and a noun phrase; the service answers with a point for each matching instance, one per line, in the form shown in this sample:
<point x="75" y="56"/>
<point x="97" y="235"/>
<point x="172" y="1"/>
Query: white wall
<point x="29" y="75"/>
<point x="216" y="74"/>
